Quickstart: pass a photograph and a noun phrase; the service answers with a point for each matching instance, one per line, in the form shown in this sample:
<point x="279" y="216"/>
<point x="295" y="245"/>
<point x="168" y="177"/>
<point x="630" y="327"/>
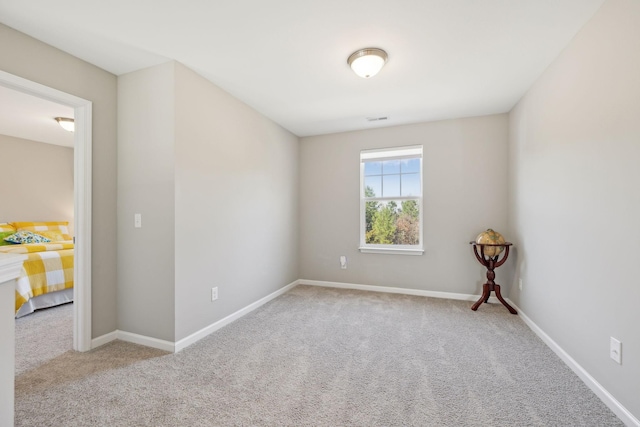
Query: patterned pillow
<point x="61" y="226"/>
<point x="26" y="237"/>
<point x="4" y="234"/>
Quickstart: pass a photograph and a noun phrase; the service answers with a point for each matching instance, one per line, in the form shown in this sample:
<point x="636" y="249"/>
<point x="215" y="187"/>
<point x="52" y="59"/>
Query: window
<point x="391" y="200"/>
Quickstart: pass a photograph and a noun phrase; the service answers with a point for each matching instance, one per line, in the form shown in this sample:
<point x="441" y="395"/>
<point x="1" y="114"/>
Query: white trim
<point x="104" y="339"/>
<point x="82" y="198"/>
<point x="391" y="153"/>
<point x="193" y="338"/>
<point x="10" y="266"/>
<point x="606" y="397"/>
<point x="390" y="251"/>
<point x="146" y="341"/>
<point x="82" y="226"/>
<point x="382" y="154"/>
<point x="197" y="336"/>
<point x="392" y="290"/>
<point x="133" y="338"/>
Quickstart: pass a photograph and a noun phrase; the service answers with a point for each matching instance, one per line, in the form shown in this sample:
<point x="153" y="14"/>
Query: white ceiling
<point x="287" y="58"/>
<point x="29" y="117"/>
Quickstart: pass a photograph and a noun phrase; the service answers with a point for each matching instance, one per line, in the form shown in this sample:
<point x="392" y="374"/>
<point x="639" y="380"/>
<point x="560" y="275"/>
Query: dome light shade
<point x="367" y="62"/>
<point x="66" y="123"/>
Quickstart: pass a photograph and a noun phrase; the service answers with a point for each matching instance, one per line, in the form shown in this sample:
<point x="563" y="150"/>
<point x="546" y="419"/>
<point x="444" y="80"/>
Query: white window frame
<point x="382" y="154"/>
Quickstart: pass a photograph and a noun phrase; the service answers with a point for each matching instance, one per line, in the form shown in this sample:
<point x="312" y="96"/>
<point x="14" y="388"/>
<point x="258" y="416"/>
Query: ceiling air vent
<point x="376" y="119"/>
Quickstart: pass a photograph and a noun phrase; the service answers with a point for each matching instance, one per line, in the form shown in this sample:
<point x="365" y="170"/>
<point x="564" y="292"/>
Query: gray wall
<point x="42" y="191"/>
<point x="236" y="204"/>
<point x="146" y="122"/>
<point x="574" y="203"/>
<point x="465" y="192"/>
<point x="31" y="59"/>
<point x="216" y="184"/>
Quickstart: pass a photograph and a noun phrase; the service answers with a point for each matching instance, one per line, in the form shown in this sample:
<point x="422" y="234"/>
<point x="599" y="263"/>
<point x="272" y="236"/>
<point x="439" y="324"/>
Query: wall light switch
<point x="343" y="262"/>
<point x="615" y="350"/>
<point x="137" y="220"/>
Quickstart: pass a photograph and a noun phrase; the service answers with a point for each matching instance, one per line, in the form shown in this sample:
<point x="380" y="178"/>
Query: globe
<point x="493" y="238"/>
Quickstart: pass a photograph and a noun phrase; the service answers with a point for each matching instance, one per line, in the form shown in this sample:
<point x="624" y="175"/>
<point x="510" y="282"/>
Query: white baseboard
<point x="147" y="341"/>
<point x="390" y="290"/>
<point x="103" y="339"/>
<point x="606" y="397"/>
<point x="198" y="335"/>
<point x="133" y="338"/>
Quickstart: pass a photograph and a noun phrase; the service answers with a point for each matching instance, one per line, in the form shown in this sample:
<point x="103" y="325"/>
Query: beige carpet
<point x="43" y="336"/>
<point x="322" y="357"/>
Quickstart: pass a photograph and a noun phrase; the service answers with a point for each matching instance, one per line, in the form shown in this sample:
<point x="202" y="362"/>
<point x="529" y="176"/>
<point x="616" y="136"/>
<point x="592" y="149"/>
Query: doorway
<point x="82" y="160"/>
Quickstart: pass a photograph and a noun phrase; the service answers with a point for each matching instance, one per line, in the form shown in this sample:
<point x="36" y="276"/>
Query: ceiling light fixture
<point x="66" y="123"/>
<point x="367" y="62"/>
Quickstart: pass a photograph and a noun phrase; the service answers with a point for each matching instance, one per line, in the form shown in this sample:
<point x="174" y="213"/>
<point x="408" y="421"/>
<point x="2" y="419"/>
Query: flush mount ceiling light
<point x="66" y="123"/>
<point x="367" y="62"/>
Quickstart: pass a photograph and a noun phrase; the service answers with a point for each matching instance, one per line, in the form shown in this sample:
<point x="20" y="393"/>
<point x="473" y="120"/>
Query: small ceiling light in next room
<point x="66" y="123"/>
<point x="367" y="62"/>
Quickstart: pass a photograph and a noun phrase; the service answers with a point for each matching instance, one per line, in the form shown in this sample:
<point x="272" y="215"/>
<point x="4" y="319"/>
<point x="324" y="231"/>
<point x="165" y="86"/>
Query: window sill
<point x="391" y="251"/>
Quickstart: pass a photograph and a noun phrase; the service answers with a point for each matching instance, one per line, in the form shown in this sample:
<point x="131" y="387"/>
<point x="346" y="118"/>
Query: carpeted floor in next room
<point x="42" y="336"/>
<point x="321" y="357"/>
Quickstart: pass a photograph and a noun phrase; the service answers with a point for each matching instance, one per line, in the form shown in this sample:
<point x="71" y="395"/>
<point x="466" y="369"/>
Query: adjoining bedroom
<point x="37" y="217"/>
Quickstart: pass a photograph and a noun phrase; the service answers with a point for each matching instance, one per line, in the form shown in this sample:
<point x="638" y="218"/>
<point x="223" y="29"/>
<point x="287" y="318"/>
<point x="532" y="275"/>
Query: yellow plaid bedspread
<point x="48" y="268"/>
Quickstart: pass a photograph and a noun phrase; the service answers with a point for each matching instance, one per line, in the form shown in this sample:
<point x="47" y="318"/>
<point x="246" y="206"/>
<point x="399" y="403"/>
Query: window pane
<point x="411" y="166"/>
<point x="390" y="166"/>
<point x="393" y="223"/>
<point x="372" y="168"/>
<point x="392" y="181"/>
<point x="411" y="184"/>
<point x="408" y="224"/>
<point x="373" y="186"/>
<point x="390" y="185"/>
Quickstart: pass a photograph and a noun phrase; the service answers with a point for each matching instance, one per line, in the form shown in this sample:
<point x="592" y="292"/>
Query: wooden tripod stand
<point x="491" y="263"/>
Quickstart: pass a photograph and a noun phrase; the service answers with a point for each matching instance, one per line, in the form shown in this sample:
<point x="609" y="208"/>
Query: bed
<point x="46" y="279"/>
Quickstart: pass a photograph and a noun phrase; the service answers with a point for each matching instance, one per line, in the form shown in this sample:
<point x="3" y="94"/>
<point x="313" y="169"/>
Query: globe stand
<point x="491" y="263"/>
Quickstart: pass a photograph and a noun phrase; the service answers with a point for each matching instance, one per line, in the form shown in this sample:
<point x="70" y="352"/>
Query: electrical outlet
<point x="343" y="262"/>
<point x="520" y="283"/>
<point x="214" y="293"/>
<point x="615" y="350"/>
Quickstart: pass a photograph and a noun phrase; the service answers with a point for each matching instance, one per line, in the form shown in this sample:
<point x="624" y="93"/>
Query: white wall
<point x="465" y="192"/>
<point x="31" y="59"/>
<point x="41" y="184"/>
<point x="7" y="349"/>
<point x="236" y="204"/>
<point x="574" y="201"/>
<point x="146" y="138"/>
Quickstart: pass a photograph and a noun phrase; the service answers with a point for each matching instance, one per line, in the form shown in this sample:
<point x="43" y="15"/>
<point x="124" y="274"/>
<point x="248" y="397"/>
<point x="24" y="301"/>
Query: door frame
<point x="82" y="162"/>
